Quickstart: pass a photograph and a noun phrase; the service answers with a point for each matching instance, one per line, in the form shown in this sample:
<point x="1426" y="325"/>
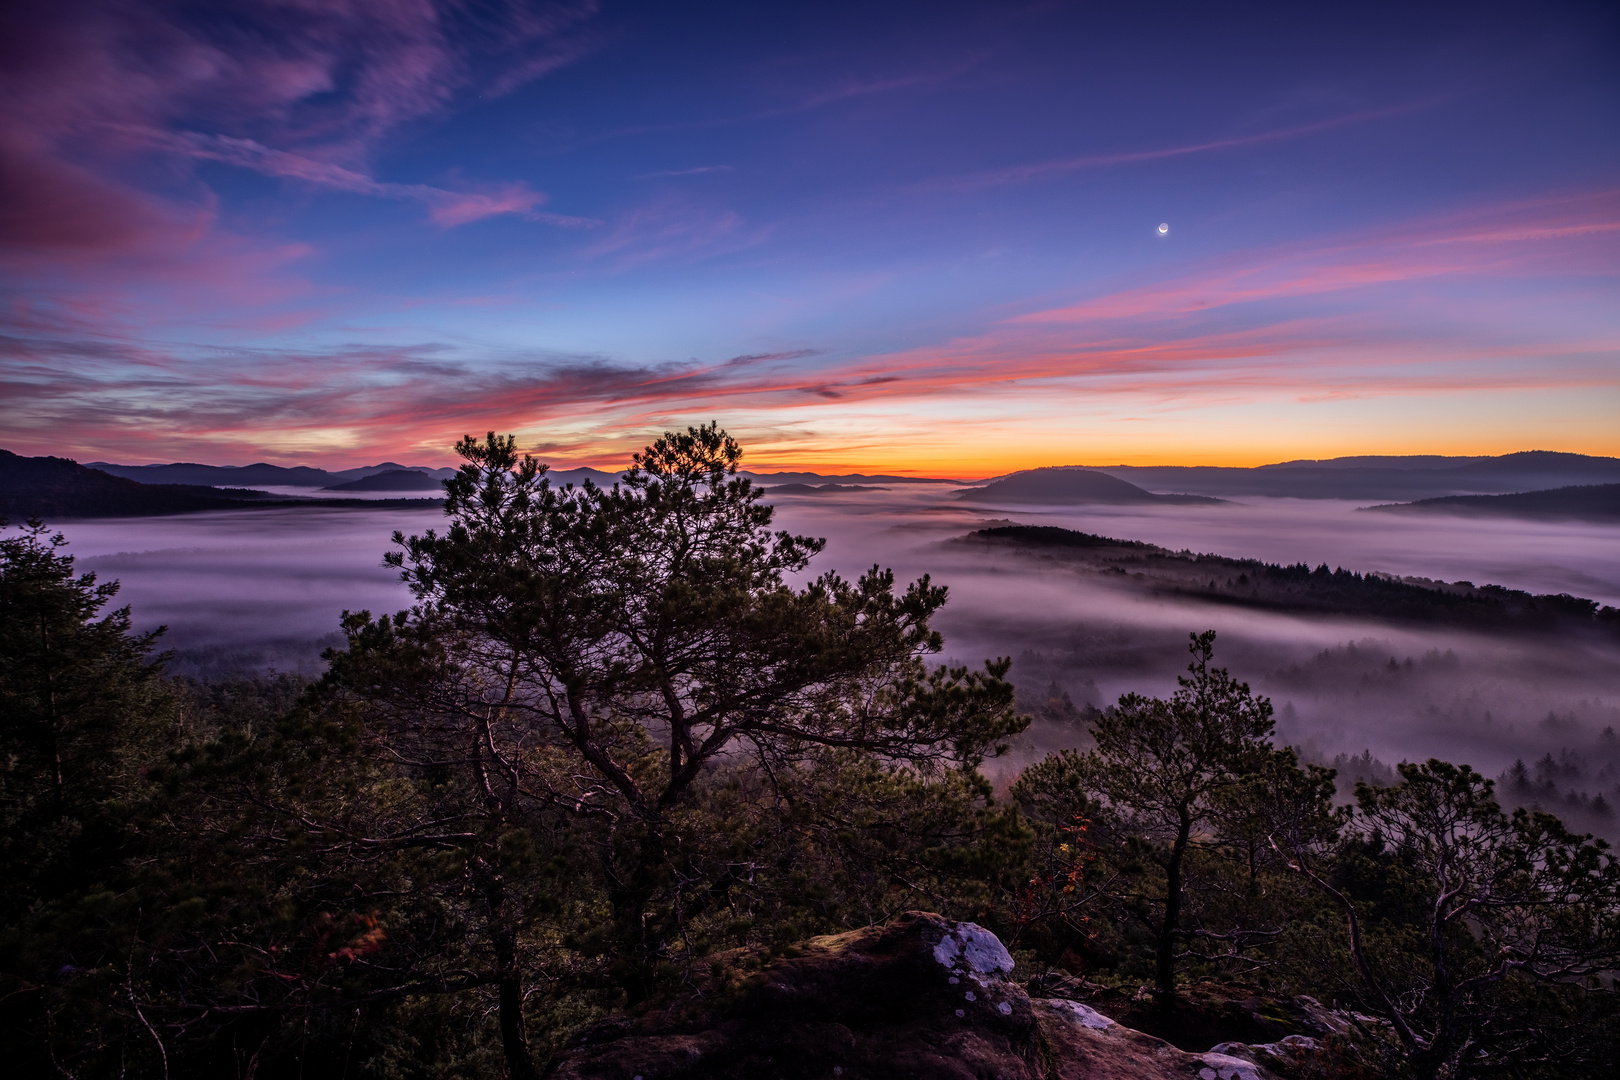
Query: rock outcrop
<point x="923" y="997"/>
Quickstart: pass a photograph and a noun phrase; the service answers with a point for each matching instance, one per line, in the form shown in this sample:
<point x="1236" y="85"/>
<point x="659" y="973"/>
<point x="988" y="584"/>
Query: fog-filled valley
<point x="263" y="589"/>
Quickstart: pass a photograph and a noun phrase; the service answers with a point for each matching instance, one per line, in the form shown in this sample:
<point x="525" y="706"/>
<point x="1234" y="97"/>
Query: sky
<point x="942" y="239"/>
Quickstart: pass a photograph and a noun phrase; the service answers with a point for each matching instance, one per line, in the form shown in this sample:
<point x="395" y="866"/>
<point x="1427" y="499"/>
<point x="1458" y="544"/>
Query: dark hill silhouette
<point x="263" y="473"/>
<point x="362" y="472"/>
<point x="1585" y="502"/>
<point x="1071" y="487"/>
<point x="1533" y="464"/>
<point x="577" y="477"/>
<point x="1377" y="461"/>
<point x="810" y="479"/>
<point x="813" y="489"/>
<point x="1384" y="478"/>
<point x="220" y="475"/>
<point x="52" y="487"/>
<point x="393" y="480"/>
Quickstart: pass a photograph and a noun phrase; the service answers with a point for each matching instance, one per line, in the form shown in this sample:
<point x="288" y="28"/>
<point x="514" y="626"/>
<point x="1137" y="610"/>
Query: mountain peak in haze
<point x="391" y="480"/>
<point x="1067" y="486"/>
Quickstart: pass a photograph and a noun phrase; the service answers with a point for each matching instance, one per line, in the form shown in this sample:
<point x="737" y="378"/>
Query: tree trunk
<point x="514" y="1033"/>
<point x="1296" y="862"/>
<point x="53" y="734"/>
<point x="508" y="979"/>
<point x="1164" y="978"/>
<point x="632" y="893"/>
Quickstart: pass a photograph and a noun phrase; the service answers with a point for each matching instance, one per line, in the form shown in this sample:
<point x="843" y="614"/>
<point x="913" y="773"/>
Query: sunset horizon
<point x="860" y="241"/>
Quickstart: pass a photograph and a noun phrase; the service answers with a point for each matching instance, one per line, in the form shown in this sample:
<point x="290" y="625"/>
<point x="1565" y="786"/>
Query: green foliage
<point x="1164" y="773"/>
<point x="1509" y="917"/>
<point x="83" y="716"/>
<point x="632" y="659"/>
<point x="1485" y="943"/>
<point x="81" y="703"/>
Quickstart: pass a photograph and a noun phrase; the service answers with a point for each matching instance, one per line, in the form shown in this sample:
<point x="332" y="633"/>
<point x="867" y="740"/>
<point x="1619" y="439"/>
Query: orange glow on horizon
<point x="980" y="466"/>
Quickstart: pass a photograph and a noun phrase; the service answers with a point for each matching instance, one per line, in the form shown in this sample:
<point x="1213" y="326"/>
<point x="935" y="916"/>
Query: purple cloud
<point x="100" y="101"/>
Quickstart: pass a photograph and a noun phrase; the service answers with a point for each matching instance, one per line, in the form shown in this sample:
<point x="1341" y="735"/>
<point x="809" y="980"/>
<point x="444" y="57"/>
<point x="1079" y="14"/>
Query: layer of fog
<point x="1340" y="686"/>
<point x="259" y="589"/>
<point x="249" y="589"/>
<point x="295" y="492"/>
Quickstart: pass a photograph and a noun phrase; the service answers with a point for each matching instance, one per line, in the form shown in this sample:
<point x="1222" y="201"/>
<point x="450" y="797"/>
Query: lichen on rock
<point x="1083" y="1014"/>
<point x="971" y="950"/>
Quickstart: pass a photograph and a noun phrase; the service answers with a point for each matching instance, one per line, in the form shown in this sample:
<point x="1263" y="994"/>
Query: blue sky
<point x="901" y="237"/>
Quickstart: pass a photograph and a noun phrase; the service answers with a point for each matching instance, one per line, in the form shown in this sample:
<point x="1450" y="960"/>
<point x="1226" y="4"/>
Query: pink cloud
<point x="1567" y="236"/>
<point x="1295" y="320"/>
<point x="446" y="208"/>
<point x="55" y="209"/>
<point x="105" y="228"/>
<point x="672" y="228"/>
<point x="93" y="95"/>
<point x="1304" y="318"/>
<point x="459" y="209"/>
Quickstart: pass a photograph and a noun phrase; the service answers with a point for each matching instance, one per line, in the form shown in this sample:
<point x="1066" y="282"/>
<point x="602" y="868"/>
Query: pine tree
<point x="81" y="706"/>
<point x="599" y="653"/>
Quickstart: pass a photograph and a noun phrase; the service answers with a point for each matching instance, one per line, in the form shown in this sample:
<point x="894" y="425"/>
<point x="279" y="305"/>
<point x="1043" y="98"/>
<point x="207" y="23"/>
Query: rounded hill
<point x="393" y="480"/>
<point x="1064" y="486"/>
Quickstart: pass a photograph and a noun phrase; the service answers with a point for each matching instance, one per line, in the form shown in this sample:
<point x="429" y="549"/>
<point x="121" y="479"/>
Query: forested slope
<point x="1582" y="502"/>
<point x="1252" y="583"/>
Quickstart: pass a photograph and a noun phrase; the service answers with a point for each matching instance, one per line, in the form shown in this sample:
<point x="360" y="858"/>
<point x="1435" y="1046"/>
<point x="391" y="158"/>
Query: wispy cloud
<point x="1568" y="236"/>
<point x="803" y="101"/>
<point x="1248" y="326"/>
<point x="1040" y="170"/>
<point x="698" y="170"/>
<point x="138" y="398"/>
<point x="296" y="91"/>
<point x="673" y="228"/>
<point x="446" y="208"/>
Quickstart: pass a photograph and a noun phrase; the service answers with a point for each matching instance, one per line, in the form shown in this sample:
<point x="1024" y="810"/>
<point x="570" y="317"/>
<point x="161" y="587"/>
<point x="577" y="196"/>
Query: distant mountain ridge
<point x="1405" y="478"/>
<point x="392" y="480"/>
<point x="813" y="489"/>
<point x="54" y="488"/>
<point x="820" y="480"/>
<point x="1068" y="486"/>
<point x="1365" y="477"/>
<point x="263" y="474"/>
<point x="51" y="487"/>
<point x="1586" y="502"/>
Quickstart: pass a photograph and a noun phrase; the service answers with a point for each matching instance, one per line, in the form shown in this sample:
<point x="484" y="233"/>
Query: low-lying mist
<point x="248" y="590"/>
<point x="264" y="589"/>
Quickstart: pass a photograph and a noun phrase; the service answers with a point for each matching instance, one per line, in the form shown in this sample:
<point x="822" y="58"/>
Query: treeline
<point x="610" y="747"/>
<point x="1584" y="502"/>
<point x="1299" y="587"/>
<point x="1562" y="784"/>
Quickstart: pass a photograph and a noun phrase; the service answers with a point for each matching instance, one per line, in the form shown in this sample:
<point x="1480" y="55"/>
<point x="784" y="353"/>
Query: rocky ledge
<point x="923" y="997"/>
